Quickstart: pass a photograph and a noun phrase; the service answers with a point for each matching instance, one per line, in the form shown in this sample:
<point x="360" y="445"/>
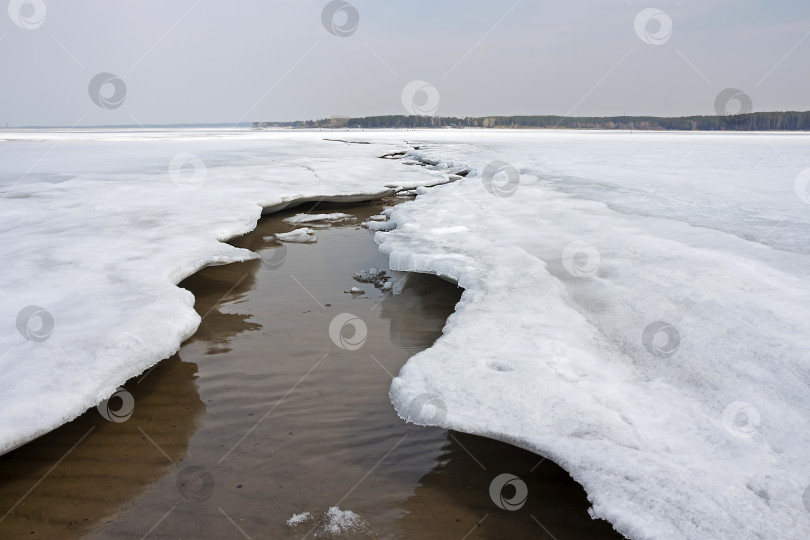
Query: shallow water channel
<point x="263" y="415"/>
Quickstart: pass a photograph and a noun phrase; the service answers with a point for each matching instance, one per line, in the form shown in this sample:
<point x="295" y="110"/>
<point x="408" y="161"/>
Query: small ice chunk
<point x="298" y="519"/>
<point x="388" y="285"/>
<point x="339" y="521"/>
<point x="357" y="290"/>
<point x="317" y="218"/>
<point x="335" y="523"/>
<point x="383" y="226"/>
<point x="372" y="275"/>
<point x="301" y="236"/>
<point x="379" y="217"/>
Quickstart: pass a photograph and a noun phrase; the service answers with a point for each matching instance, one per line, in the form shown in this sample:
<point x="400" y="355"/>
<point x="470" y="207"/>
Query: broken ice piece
<point x="301" y="236"/>
<point x="372" y="275"/>
<point x="298" y="519"/>
<point x="317" y="218"/>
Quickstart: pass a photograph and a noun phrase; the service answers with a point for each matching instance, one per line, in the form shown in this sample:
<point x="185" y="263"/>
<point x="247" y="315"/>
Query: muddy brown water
<point x="261" y="416"/>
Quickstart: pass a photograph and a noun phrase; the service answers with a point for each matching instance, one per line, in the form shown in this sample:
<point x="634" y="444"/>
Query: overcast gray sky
<point x="204" y="61"/>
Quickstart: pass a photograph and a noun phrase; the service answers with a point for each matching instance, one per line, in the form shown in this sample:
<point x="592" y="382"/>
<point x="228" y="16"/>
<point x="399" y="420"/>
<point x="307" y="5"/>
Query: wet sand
<point x="64" y="483"/>
<point x="261" y="416"/>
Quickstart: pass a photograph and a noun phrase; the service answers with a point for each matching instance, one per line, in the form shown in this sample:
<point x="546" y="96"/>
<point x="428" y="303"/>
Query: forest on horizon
<point x="759" y="121"/>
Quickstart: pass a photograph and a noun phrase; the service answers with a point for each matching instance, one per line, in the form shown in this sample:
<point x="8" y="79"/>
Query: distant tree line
<point x="761" y="121"/>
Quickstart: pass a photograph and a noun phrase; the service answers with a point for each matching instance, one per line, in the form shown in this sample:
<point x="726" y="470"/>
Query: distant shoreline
<point x="761" y="121"/>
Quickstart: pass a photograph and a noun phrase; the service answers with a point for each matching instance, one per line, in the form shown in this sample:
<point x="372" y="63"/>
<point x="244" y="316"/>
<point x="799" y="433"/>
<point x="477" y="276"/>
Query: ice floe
<point x="636" y="309"/>
<point x="318" y="218"/>
<point x="304" y="235"/>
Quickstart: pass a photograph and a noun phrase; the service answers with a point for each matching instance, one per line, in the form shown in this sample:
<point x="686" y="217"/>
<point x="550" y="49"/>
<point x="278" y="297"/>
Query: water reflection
<point x="236" y="280"/>
<point x="418" y="315"/>
<point x="454" y="499"/>
<point x="65" y="482"/>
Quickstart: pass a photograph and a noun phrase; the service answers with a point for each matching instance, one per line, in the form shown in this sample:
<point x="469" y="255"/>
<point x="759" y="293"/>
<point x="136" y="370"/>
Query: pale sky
<point x="207" y="61"/>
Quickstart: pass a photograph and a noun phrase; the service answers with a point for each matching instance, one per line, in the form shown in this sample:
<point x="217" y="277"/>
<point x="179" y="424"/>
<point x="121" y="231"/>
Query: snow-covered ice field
<point x="638" y="309"/>
<point x="99" y="226"/>
<point x="636" y="304"/>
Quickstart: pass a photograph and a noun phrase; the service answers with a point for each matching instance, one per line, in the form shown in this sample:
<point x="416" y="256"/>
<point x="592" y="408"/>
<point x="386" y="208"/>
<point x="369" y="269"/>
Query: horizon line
<point x="251" y="123"/>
